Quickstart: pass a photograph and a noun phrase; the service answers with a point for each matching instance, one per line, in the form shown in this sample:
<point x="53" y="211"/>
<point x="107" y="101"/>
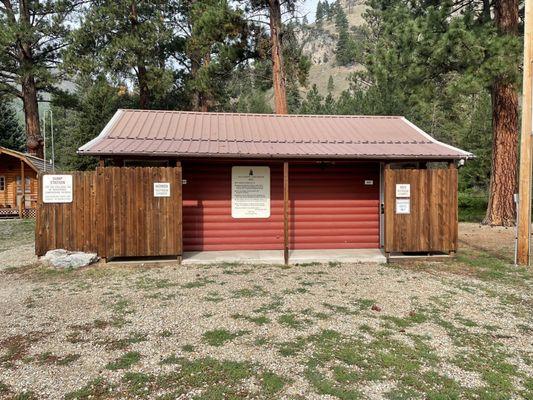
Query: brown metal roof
<point x="195" y="134"/>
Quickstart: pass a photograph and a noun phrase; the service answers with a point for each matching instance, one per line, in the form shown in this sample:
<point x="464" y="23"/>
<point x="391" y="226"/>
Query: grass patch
<point x="272" y="383"/>
<point x="125" y="361"/>
<point x="188" y="348"/>
<point x="197" y="283"/>
<point x="48" y="358"/>
<point x="255" y="291"/>
<point x="96" y="389"/>
<point x="291" y="320"/>
<point x="219" y="337"/>
<point x="258" y="320"/>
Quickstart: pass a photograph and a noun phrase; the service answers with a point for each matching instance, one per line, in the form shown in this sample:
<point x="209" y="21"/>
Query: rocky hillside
<point x="319" y="44"/>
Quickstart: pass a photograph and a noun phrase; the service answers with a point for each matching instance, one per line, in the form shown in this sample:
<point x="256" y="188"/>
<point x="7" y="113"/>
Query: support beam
<point x="524" y="194"/>
<point x="179" y="171"/>
<point x="22" y="205"/>
<point x="286" y="212"/>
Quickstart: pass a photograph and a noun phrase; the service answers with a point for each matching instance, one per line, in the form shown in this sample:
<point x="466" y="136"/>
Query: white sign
<point x="369" y="182"/>
<point x="250" y="192"/>
<point x="403" y="190"/>
<point x="403" y="206"/>
<point x="57" y="188"/>
<point x="161" y="189"/>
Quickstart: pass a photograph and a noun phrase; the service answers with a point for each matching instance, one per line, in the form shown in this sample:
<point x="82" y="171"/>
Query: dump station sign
<point x="250" y="192"/>
<point x="57" y="188"/>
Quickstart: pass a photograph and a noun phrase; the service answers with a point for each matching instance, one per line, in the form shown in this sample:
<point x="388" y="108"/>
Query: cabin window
<point x="2" y="183"/>
<point x="27" y="188"/>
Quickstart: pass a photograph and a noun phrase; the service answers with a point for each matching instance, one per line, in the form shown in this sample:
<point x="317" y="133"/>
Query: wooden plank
<point x="286" y="212"/>
<point x="526" y="163"/>
<point x="179" y="177"/>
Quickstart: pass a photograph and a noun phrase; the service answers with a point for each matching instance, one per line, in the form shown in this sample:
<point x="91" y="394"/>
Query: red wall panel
<point x="207" y="220"/>
<point x="330" y="208"/>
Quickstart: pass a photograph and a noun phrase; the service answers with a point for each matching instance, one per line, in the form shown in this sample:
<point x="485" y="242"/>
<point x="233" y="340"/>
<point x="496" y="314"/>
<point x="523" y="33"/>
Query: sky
<point x="308" y="7"/>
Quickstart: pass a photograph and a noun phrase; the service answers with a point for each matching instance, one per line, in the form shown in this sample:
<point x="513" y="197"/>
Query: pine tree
<point x="331" y="84"/>
<point x="11" y="132"/>
<point x="32" y="34"/>
<point x="319" y="12"/>
<point x="128" y="40"/>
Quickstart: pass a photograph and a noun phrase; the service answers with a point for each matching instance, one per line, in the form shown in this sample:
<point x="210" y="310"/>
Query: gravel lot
<point x="441" y="330"/>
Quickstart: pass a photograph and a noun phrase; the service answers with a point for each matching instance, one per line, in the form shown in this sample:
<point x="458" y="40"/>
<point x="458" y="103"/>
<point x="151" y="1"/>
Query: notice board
<point x="250" y="192"/>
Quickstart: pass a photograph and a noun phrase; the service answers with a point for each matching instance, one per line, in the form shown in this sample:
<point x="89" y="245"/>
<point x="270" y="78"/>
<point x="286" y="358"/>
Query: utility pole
<point x="524" y="193"/>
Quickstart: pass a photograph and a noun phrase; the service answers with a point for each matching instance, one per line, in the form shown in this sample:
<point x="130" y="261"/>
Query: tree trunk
<point x="34" y="140"/>
<point x="278" y="68"/>
<point x="201" y="99"/>
<point x="503" y="182"/>
<point x="142" y="78"/>
<point x="144" y="91"/>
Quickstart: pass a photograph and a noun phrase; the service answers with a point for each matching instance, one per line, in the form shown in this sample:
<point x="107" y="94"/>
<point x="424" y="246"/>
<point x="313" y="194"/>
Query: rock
<point x="68" y="259"/>
<point x="375" y="307"/>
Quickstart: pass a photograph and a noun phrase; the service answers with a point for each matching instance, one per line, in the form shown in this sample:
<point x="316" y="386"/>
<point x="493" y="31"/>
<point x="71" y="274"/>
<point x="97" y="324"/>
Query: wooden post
<point x="286" y="212"/>
<point x="22" y="205"/>
<point x="386" y="224"/>
<point x="180" y="212"/>
<point x="454" y="210"/>
<point x="101" y="162"/>
<point x="524" y="205"/>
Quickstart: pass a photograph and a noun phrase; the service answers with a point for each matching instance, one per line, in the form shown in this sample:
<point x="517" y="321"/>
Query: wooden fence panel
<point x="114" y="213"/>
<point x="431" y="225"/>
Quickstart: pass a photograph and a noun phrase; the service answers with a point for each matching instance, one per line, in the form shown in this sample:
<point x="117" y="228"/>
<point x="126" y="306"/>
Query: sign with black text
<point x="57" y="188"/>
<point x="250" y="192"/>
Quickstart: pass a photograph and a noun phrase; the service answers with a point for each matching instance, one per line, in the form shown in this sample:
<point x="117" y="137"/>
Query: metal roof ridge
<point x="237" y="114"/>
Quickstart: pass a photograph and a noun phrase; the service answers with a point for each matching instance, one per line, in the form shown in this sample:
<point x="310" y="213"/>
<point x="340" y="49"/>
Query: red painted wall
<point x="331" y="208"/>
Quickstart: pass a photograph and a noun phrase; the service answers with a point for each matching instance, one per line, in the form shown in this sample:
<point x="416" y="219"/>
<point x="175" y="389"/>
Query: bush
<point x="472" y="206"/>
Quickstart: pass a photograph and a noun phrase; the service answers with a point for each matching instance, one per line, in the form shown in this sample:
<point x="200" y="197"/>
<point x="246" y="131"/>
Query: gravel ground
<point x="440" y="330"/>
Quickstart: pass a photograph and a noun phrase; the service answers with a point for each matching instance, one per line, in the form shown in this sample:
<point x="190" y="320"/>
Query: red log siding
<point x="207" y="221"/>
<point x="330" y="208"/>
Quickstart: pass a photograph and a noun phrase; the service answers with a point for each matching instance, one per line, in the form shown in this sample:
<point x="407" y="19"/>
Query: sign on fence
<point x="57" y="188"/>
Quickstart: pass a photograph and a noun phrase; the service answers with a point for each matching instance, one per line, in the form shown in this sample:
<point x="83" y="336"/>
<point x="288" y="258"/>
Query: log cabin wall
<point x="10" y="170"/>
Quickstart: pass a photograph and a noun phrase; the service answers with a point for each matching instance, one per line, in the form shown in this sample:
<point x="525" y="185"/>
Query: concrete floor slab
<point x="276" y="256"/>
<point x="337" y="255"/>
<point x="234" y="256"/>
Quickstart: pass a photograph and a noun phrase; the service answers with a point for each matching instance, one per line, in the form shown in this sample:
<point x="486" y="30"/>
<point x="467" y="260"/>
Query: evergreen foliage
<point x="11" y="132"/>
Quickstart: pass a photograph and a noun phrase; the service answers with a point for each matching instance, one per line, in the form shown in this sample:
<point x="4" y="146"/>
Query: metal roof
<point x="36" y="163"/>
<point x="231" y="135"/>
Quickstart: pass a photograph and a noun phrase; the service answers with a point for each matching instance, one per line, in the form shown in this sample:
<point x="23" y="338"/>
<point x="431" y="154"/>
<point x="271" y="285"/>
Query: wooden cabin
<point x="18" y="183"/>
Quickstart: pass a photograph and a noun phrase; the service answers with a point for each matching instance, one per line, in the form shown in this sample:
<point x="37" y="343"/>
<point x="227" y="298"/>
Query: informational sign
<point x="369" y="182"/>
<point x="403" y="206"/>
<point x="403" y="190"/>
<point x="57" y="188"/>
<point x="250" y="192"/>
<point x="161" y="189"/>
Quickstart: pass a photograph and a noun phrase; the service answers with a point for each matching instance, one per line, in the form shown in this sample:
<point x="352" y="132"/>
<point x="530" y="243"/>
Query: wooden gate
<point x="431" y="222"/>
<point x="114" y="213"/>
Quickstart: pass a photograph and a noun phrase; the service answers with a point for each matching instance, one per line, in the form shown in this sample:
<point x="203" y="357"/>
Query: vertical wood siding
<point x="114" y="214"/>
<point x="432" y="223"/>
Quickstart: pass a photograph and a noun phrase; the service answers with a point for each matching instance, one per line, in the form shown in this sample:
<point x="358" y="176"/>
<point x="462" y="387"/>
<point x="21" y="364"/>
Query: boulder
<point x="68" y="259"/>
